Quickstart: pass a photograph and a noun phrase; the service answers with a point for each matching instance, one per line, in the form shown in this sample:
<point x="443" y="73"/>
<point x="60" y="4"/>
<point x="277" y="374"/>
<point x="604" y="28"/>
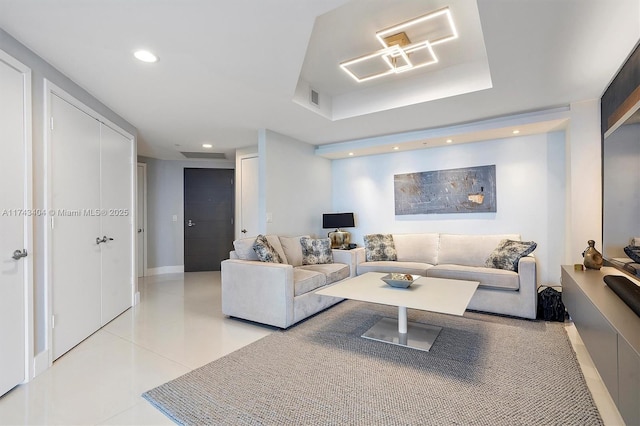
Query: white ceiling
<point x="229" y="68"/>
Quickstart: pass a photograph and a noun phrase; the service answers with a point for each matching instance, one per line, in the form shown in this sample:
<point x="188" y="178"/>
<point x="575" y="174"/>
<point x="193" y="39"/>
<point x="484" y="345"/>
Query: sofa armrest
<point x="258" y="291"/>
<point x="361" y="256"/>
<point x="529" y="282"/>
<point x="347" y="257"/>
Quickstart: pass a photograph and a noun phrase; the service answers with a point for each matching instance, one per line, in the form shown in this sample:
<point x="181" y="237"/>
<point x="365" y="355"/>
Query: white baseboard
<point x="165" y="270"/>
<point x="40" y="363"/>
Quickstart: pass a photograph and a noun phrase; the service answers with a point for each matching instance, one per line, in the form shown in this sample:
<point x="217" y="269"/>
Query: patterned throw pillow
<point x="633" y="252"/>
<point x="508" y="254"/>
<point x="379" y="247"/>
<point x="316" y="251"/>
<point x="265" y="251"/>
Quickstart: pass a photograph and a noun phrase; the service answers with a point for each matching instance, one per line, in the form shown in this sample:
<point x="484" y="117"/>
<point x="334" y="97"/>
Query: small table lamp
<point x="339" y="239"/>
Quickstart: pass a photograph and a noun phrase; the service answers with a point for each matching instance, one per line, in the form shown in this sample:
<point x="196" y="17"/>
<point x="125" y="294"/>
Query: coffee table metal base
<point x="418" y="336"/>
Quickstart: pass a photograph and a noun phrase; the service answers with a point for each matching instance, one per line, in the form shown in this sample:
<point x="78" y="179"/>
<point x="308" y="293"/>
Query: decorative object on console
<point x="340" y="239"/>
<point x="265" y="251"/>
<point x="508" y="254"/>
<point x="466" y="190"/>
<point x="592" y="257"/>
<point x="316" y="251"/>
<point x="379" y="247"/>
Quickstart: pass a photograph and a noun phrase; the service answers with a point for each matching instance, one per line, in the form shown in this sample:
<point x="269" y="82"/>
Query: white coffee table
<point x="428" y="294"/>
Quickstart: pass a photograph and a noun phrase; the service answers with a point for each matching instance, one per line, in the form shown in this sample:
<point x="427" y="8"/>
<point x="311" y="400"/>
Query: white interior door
<point x="13" y="222"/>
<point x="141" y="218"/>
<point x="249" y="224"/>
<point x="117" y="223"/>
<point x="75" y="197"/>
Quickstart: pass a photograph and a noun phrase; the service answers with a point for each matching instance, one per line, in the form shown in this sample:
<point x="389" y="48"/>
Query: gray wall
<point x="295" y="183"/>
<point x="41" y="70"/>
<point x="165" y="198"/>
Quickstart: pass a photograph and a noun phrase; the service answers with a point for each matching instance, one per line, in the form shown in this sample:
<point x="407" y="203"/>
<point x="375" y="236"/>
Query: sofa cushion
<point x="265" y="251"/>
<point x="417" y="247"/>
<point x="292" y="249"/>
<point x="488" y="277"/>
<point x="379" y="247"/>
<point x="305" y="281"/>
<point x="389" y="266"/>
<point x="334" y="272"/>
<point x="469" y="250"/>
<point x="244" y="249"/>
<point x="508" y="254"/>
<point x="316" y="251"/>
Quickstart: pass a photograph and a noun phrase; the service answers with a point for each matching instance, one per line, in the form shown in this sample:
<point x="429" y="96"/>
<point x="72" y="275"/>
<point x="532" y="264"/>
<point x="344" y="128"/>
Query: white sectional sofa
<point x="279" y="294"/>
<point x="463" y="257"/>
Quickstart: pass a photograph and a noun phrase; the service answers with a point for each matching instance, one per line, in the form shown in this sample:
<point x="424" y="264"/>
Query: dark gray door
<point x="208" y="218"/>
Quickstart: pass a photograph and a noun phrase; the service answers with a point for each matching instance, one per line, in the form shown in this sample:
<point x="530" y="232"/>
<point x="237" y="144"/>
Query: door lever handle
<point x="18" y="254"/>
<point x="104" y="239"/>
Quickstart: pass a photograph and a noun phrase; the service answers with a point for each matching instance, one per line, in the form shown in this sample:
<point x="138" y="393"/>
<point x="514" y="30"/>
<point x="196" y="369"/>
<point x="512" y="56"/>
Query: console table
<point x="610" y="331"/>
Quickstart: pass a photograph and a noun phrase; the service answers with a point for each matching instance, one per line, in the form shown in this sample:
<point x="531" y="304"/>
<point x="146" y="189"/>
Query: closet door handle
<point x="19" y="254"/>
<point x="104" y="239"/>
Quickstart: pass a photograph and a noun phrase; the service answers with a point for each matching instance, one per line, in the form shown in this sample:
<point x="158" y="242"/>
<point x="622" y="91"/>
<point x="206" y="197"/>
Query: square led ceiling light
<point x="377" y="64"/>
<point x="406" y="46"/>
<point x="435" y="27"/>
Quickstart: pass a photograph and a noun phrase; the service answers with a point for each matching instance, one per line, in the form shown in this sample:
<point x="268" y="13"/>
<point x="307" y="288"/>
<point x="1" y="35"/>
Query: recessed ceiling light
<point x="449" y="140"/>
<point x="145" y="56"/>
<point x="396" y="148"/>
<point x="351" y="154"/>
<point x="515" y="132"/>
<point x="207" y="145"/>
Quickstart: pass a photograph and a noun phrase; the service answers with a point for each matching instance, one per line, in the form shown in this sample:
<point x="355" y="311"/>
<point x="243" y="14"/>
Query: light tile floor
<point x="178" y="326"/>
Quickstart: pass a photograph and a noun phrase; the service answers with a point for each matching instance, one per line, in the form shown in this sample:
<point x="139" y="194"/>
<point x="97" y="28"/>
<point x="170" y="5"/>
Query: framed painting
<point x="466" y="190"/>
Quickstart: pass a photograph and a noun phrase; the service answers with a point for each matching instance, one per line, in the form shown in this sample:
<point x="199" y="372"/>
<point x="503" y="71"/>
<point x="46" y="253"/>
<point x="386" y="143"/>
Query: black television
<point x="621" y="191"/>
<point x="337" y="220"/>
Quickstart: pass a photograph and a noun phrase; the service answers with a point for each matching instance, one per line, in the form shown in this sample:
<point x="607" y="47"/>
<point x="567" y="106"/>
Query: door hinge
<point x="52" y="222"/>
<point x="231" y="181"/>
<point x="53" y="321"/>
<point x="232" y="221"/>
<point x="51" y="122"/>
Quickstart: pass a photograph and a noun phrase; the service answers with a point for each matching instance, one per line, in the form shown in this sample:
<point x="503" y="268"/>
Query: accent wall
<point x="530" y="186"/>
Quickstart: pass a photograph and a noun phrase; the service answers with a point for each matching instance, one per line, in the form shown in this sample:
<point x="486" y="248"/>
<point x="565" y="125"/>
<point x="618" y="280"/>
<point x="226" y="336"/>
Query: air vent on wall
<point x="314" y="98"/>
<point x="207" y="155"/>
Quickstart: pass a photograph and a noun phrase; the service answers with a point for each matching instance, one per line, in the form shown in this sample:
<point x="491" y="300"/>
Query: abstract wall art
<point x="466" y="190"/>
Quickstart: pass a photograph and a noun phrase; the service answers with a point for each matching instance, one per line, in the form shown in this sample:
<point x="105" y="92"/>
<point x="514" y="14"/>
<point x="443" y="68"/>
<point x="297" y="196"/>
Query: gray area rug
<point x="482" y="369"/>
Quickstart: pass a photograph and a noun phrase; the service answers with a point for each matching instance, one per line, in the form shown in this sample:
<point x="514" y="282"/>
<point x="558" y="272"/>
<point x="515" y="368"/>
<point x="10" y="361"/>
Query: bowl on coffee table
<point x="400" y="280"/>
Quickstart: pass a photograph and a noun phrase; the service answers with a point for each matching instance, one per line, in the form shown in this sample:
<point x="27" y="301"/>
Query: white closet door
<point x="12" y="225"/>
<point x="117" y="253"/>
<point x="249" y="197"/>
<point x="75" y="156"/>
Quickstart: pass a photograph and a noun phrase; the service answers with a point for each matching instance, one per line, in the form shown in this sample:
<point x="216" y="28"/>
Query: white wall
<point x="296" y="185"/>
<point x="530" y="175"/>
<point x="584" y="177"/>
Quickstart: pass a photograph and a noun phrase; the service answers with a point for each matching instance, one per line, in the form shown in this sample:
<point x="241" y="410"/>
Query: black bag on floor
<point x="550" y="306"/>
